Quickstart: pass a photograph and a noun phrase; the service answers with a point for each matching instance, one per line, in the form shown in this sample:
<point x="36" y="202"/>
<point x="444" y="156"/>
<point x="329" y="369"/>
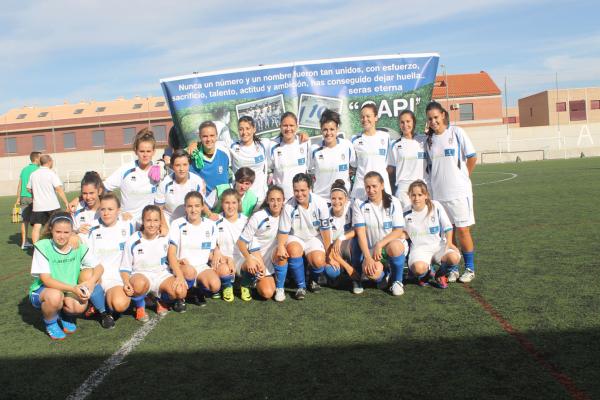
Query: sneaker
<point x="357" y="287"/>
<point x="424" y="281"/>
<point x="107" y="321"/>
<point x="383" y="284"/>
<point x="441" y="281"/>
<point x="314" y="286"/>
<point x="452" y="276"/>
<point x="141" y="315"/>
<point x="26" y="245"/>
<point x="53" y="330"/>
<point x="68" y="326"/>
<point x="89" y="313"/>
<point x="196" y="298"/>
<point x="161" y="308"/>
<point x="300" y="294"/>
<point x="279" y="295"/>
<point x="179" y="306"/>
<point x="216" y="295"/>
<point x="246" y="294"/>
<point x="467" y="276"/>
<point x="397" y="288"/>
<point x="228" y="294"/>
<point x="322" y="280"/>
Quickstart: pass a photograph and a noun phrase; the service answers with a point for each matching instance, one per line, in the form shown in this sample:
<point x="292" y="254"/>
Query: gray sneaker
<point x="452" y="276"/>
<point x="300" y="294"/>
<point x="314" y="286"/>
<point x="467" y="276"/>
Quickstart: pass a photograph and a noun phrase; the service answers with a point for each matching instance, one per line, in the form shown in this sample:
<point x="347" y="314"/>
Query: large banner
<point x="392" y="82"/>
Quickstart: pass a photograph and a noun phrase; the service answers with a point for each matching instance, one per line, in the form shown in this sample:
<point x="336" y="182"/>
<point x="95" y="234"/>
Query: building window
<point x="128" y="135"/>
<point x="39" y="143"/>
<point x="137" y="106"/>
<point x="98" y="138"/>
<point x="10" y="145"/>
<point x="42" y="114"/>
<point x="160" y="133"/>
<point x="531" y="111"/>
<point x="511" y="120"/>
<point x="69" y="140"/>
<point x="595" y="104"/>
<point x="159" y="104"/>
<point x="577" y="110"/>
<point x="466" y="112"/>
<point x="100" y="109"/>
<point x="21" y="116"/>
<point x="78" y="111"/>
<point x="561" y="106"/>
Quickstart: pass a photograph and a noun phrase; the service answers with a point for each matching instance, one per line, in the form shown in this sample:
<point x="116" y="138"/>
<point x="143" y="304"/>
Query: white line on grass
<point x="113" y="361"/>
<point x="512" y="176"/>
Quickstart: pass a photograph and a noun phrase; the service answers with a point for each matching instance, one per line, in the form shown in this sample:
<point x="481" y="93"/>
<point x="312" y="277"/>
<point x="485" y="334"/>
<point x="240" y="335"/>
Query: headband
<point x="59" y="217"/>
<point x="341" y="189"/>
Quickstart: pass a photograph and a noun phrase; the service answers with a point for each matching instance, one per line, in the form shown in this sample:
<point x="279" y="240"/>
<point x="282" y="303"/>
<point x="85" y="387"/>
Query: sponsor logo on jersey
<point x="221" y="229"/>
<point x="171" y="191"/>
<point x="140" y="251"/>
<point x="237" y="149"/>
<point x="259" y="159"/>
<point x="133" y="178"/>
<point x="184" y="232"/>
<point x="220" y="170"/>
<point x="98" y="235"/>
<point x="343" y="167"/>
<point x="421" y="155"/>
<point x="387" y="225"/>
<point x="434" y="229"/>
<point x="449" y="152"/>
<point x="409" y="220"/>
<point x="367" y="209"/>
<point x="122" y="246"/>
<point x="279" y="153"/>
<point x="205" y="245"/>
<point x="301" y="161"/>
<point x="382" y="152"/>
<point x="320" y="157"/>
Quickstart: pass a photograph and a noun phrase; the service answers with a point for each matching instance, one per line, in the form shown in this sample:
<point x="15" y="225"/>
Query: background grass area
<point x="537" y="259"/>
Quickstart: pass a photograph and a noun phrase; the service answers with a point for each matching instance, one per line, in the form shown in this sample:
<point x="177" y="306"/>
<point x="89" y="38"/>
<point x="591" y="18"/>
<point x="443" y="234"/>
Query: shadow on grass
<point x="470" y="368"/>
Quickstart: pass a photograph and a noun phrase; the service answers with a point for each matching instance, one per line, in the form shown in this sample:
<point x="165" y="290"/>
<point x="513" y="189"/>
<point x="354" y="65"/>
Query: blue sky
<point x="101" y="50"/>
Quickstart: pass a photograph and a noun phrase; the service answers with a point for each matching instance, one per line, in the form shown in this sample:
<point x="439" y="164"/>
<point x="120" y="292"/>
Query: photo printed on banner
<point x="311" y="107"/>
<point x="266" y="113"/>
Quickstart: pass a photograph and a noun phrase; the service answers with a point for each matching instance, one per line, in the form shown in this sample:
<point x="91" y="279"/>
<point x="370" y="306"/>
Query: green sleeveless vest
<point x="248" y="201"/>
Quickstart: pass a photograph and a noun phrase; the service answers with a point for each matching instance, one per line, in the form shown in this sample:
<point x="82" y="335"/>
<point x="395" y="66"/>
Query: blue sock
<point x="356" y="256"/>
<point x="469" y="260"/>
<point x="190" y="283"/>
<point x="296" y="267"/>
<point x="397" y="267"/>
<point x="315" y="273"/>
<point x="139" y="301"/>
<point x="51" y="320"/>
<point x="331" y="272"/>
<point x="280" y="273"/>
<point x="226" y="281"/>
<point x="164" y="297"/>
<point x="97" y="299"/>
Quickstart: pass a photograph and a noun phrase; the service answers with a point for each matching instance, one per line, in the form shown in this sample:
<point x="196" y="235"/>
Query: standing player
<point x="144" y="268"/>
<point x="288" y="155"/>
<point x="407" y="161"/>
<point x="371" y="148"/>
<point x="87" y="210"/>
<point x="378" y="223"/>
<point x="257" y="244"/>
<point x="331" y="160"/>
<point x="24" y="199"/>
<point x="210" y="161"/>
<point x="250" y="151"/>
<point x="304" y="229"/>
<point x="430" y="233"/>
<point x="172" y="190"/>
<point x="451" y="160"/>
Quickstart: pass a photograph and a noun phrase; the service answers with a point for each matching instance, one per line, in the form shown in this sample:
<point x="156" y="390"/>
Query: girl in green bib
<point x="56" y="267"/>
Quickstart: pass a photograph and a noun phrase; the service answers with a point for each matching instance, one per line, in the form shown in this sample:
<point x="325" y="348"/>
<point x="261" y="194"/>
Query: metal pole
<point x="506" y="115"/>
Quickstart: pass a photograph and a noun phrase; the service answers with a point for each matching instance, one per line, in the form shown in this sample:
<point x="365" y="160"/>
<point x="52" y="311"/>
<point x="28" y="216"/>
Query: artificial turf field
<point x="528" y="327"/>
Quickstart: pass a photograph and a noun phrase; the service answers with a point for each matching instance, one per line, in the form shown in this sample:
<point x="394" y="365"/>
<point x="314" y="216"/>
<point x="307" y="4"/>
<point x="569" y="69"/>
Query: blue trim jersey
<point x="143" y="255"/>
<point x="194" y="242"/>
<point x="305" y="223"/>
<point x="84" y="216"/>
<point x="447" y="167"/>
<point x="255" y="156"/>
<point x="137" y="191"/>
<point x="171" y="195"/>
<point x="260" y="233"/>
<point x="427" y="229"/>
<point x="286" y="160"/>
<point x="378" y="221"/>
<point x="108" y="244"/>
<point x="409" y="158"/>
<point x="228" y="234"/>
<point x="216" y="169"/>
<point x="371" y="155"/>
<point x="341" y="225"/>
<point x="330" y="163"/>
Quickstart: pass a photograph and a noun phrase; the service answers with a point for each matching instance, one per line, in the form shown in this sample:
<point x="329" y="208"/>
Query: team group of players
<point x="183" y="232"/>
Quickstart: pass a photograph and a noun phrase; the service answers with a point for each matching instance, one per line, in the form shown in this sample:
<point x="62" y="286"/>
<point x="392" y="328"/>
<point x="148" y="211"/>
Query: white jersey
<point x="341" y="225"/>
<point x="330" y="163"/>
<point x="137" y="191"/>
<point x="43" y="182"/>
<point x="447" y="158"/>
<point x="371" y="155"/>
<point x="255" y="157"/>
<point x="409" y="159"/>
<point x="228" y="234"/>
<point x="171" y="194"/>
<point x="108" y="244"/>
<point x="305" y="223"/>
<point x="377" y="221"/>
<point x="143" y="255"/>
<point x="260" y="233"/>
<point x="84" y="216"/>
<point x="287" y="160"/>
<point x="427" y="229"/>
<point x="193" y="242"/>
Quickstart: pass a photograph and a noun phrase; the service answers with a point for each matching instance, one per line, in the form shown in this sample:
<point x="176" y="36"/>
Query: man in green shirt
<point x="24" y="198"/>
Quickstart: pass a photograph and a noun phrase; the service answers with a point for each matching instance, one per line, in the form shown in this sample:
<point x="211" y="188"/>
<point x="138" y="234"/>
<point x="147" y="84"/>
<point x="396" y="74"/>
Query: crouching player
<point x="378" y="223"/>
<point x="258" y="243"/>
<point x="56" y="267"/>
<point x="106" y="240"/>
<point x="430" y="232"/>
<point x="144" y="268"/>
<point x="192" y="245"/>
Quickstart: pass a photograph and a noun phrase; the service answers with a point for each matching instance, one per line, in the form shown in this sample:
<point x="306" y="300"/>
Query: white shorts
<point x="403" y="241"/>
<point x="429" y="254"/>
<point x="156" y="279"/>
<point x="110" y="283"/>
<point x="460" y="211"/>
<point x="402" y="195"/>
<point x="267" y="256"/>
<point x="308" y="246"/>
<point x="200" y="268"/>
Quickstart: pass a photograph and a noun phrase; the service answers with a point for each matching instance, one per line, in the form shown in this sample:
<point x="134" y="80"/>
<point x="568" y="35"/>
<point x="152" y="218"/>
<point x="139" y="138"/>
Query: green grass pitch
<point x="538" y="244"/>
